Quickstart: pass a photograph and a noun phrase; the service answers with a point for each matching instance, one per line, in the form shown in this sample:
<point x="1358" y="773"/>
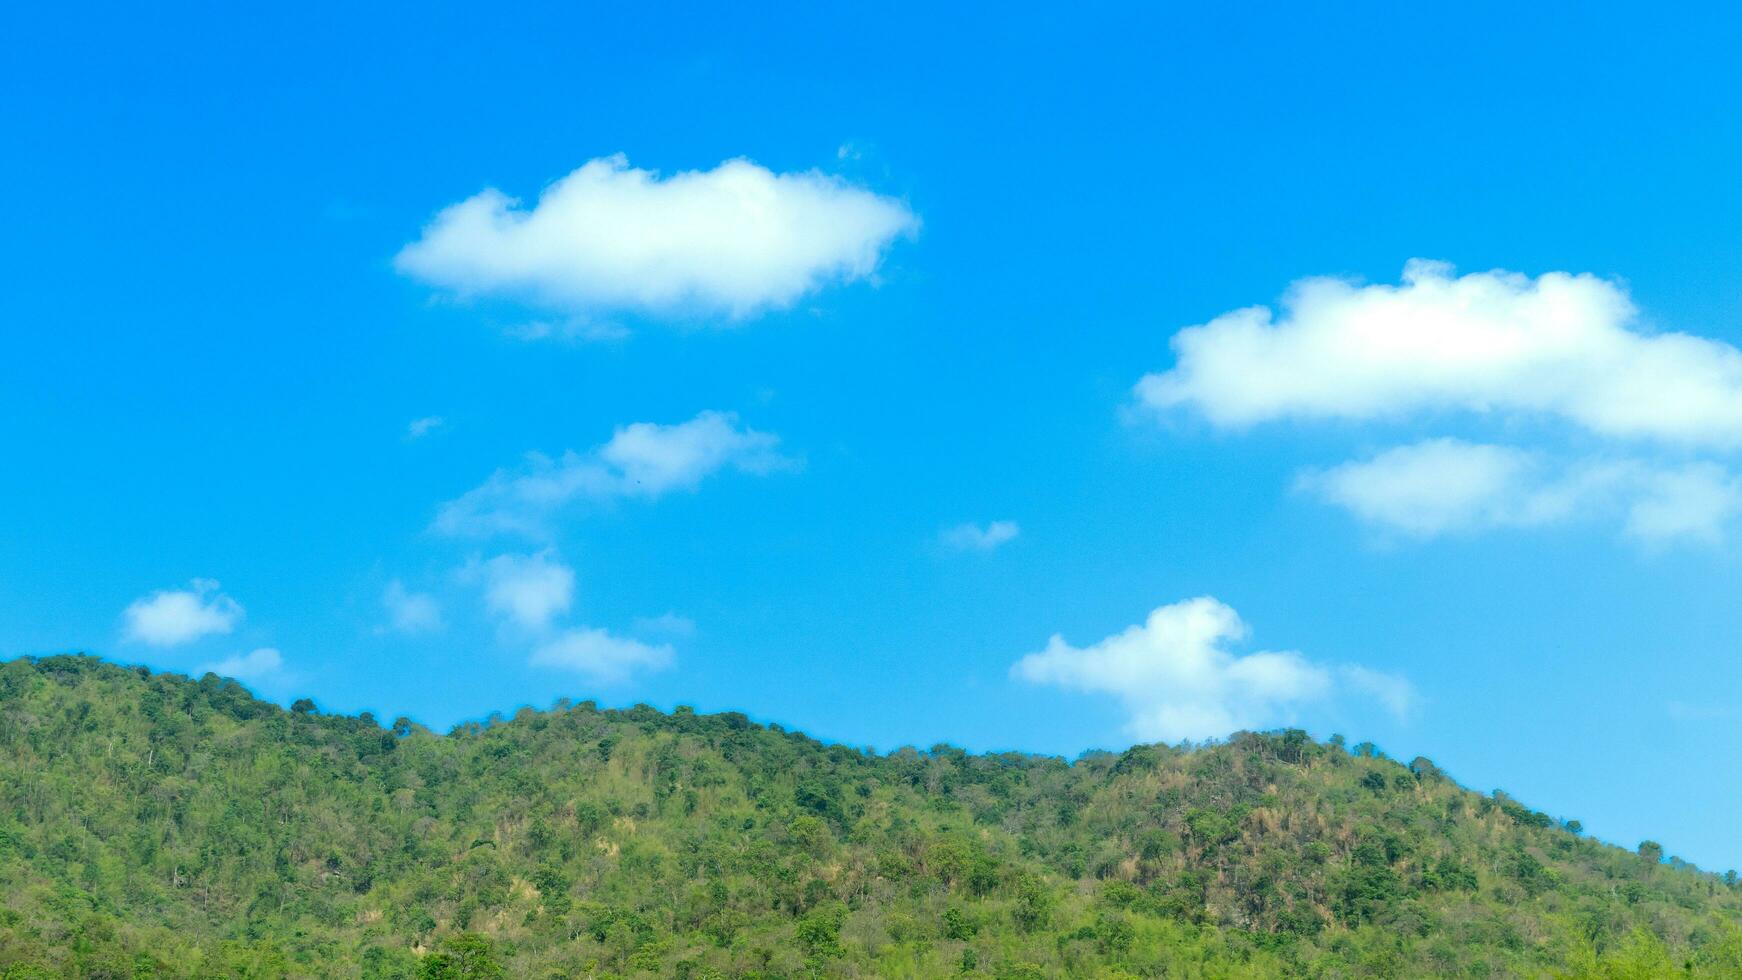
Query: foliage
<point x="156" y="826"/>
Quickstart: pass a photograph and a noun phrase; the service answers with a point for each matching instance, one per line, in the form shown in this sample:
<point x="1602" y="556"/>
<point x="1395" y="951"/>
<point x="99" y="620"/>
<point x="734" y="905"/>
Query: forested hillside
<point x="151" y="825"/>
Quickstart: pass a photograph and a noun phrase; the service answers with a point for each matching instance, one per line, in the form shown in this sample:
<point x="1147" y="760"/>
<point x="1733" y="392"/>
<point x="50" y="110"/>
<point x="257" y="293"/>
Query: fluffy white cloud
<point x="258" y="666"/>
<point x="1178" y="679"/>
<point x="410" y="612"/>
<point x="1496" y="346"/>
<point x="1561" y="346"/>
<point x="529" y="590"/>
<point x="171" y="617"/>
<point x="738" y="239"/>
<point x="1444" y="486"/>
<point x="600" y="656"/>
<point x="641" y="460"/>
<point x="973" y="537"/>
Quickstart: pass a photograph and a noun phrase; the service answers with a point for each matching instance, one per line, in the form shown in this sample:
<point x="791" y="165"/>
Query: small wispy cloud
<point x="977" y="537"/>
<point x="534" y="592"/>
<point x="424" y="426"/>
<point x="262" y="666"/>
<point x="601" y="656"/>
<point x="645" y="460"/>
<point x="410" y="612"/>
<point x="527" y="590"/>
<point x="1446" y="486"/>
<point x="1396" y="694"/>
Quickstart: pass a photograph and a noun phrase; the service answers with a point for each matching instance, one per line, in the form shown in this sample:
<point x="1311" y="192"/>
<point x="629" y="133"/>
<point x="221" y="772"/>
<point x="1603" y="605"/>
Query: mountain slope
<point x="158" y="826"/>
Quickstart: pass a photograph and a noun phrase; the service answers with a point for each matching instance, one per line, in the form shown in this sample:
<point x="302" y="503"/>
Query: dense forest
<point x="157" y="826"/>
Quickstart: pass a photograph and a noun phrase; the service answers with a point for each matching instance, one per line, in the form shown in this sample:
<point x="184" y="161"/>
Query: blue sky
<point x="842" y="435"/>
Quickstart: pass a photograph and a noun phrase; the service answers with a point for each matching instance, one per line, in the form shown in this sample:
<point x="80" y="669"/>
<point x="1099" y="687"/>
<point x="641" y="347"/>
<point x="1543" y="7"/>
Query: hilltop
<point x="154" y="825"/>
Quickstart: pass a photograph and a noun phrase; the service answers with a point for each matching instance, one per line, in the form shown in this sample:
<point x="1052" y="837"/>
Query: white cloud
<point x="424" y="426"/>
<point x="532" y="591"/>
<point x="1492" y="343"/>
<point x="410" y="612"/>
<point x="641" y="460"/>
<point x="736" y="240"/>
<point x="973" y="537"/>
<point x="1443" y="486"/>
<point x="529" y="590"/>
<point x="169" y="617"/>
<point x="1178" y="680"/>
<point x="1696" y="501"/>
<point x="600" y="656"/>
<point x="260" y="666"/>
<point x="652" y="459"/>
<point x="1495" y="347"/>
<point x="1396" y="694"/>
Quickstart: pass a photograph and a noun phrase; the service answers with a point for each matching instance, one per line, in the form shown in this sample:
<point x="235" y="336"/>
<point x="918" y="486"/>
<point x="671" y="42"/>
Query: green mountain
<point x="152" y="825"/>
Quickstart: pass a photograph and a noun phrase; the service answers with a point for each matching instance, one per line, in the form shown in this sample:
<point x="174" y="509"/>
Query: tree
<point x="1423" y="768"/>
<point x="819" y="932"/>
<point x="1114" y="934"/>
<point x="957" y="925"/>
<point x="1033" y="904"/>
<point x="155" y="826"/>
<point x="1651" y="851"/>
<point x="467" y="956"/>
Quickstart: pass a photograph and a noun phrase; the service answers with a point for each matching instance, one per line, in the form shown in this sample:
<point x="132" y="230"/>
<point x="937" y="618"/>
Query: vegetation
<point x="159" y="826"/>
